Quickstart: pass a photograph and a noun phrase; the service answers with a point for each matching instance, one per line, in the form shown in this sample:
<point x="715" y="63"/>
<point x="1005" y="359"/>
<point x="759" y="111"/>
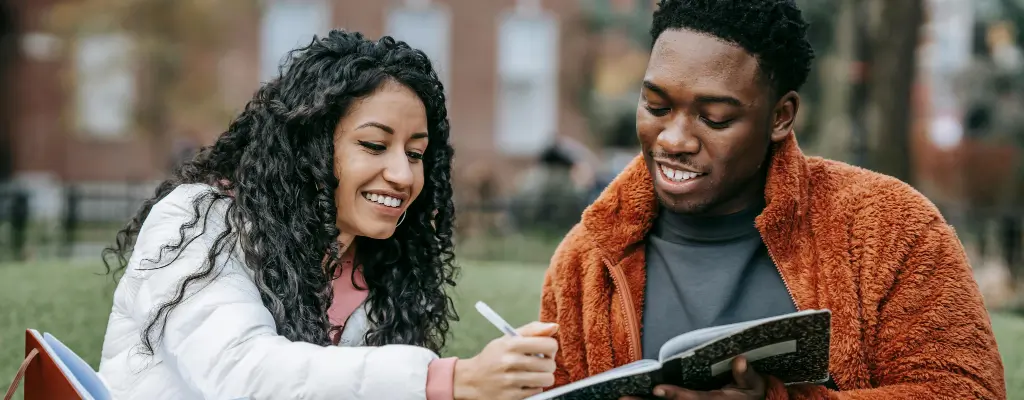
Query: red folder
<point x="44" y="378"/>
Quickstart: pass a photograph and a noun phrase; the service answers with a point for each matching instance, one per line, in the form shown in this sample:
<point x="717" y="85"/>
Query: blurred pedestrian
<point x="19" y="217"/>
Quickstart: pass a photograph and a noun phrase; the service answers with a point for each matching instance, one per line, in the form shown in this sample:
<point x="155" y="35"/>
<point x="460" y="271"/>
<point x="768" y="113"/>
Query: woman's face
<point x="378" y="151"/>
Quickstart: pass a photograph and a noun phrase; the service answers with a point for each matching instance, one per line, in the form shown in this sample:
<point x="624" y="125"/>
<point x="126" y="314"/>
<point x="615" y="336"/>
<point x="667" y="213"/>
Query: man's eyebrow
<point x="732" y="101"/>
<point x="655" y="88"/>
<point x="704" y="99"/>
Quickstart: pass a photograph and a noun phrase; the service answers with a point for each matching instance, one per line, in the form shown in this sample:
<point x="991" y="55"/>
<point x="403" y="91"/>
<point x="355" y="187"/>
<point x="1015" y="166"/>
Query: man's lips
<point x="676" y="180"/>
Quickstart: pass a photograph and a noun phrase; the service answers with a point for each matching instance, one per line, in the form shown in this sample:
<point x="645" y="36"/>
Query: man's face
<point x="706" y="120"/>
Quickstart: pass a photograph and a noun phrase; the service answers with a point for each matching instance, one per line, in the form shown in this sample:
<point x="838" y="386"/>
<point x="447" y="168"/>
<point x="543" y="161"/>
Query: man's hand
<point x="747" y="385"/>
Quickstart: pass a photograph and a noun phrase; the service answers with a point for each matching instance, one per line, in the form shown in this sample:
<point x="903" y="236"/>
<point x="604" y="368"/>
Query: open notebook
<point x="793" y="348"/>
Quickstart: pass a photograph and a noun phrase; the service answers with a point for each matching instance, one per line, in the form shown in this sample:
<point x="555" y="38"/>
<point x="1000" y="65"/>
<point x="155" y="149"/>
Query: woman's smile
<point x="389" y="203"/>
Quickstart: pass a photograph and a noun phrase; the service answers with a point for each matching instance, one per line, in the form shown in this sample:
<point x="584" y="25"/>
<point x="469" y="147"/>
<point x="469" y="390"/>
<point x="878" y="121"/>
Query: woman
<point x="306" y="253"/>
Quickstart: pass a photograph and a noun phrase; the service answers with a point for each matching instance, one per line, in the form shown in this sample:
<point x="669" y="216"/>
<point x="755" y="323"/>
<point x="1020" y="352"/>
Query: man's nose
<point x="678" y="138"/>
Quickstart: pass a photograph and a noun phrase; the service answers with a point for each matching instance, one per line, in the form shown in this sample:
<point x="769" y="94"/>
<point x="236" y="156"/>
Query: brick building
<point x="513" y="70"/>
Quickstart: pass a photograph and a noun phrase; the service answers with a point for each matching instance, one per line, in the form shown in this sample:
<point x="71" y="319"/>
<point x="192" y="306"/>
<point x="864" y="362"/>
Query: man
<point x="723" y="219"/>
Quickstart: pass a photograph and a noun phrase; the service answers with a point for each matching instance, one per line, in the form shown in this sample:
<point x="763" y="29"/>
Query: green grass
<point x="512" y="290"/>
<point x="1010" y="336"/>
<point x="528" y="248"/>
<point x="68" y="300"/>
<point x="72" y="302"/>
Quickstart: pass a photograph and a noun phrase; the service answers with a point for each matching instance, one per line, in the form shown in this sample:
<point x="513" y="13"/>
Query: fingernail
<point x="659" y="392"/>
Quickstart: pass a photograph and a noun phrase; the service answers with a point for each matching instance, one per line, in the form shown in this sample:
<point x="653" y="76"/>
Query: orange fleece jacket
<point x="908" y="321"/>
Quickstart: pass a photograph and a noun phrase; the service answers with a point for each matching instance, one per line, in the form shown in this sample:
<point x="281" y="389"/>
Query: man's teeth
<point x="677" y="175"/>
<point x="382" y="199"/>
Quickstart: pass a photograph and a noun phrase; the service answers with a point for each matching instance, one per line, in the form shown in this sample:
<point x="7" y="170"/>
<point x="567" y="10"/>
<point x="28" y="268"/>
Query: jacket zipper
<point x="626" y="297"/>
<point x="788" y="290"/>
<point x="776" y="262"/>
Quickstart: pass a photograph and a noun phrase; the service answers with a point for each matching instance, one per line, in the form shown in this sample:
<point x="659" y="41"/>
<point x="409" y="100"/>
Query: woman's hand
<point x="508" y="367"/>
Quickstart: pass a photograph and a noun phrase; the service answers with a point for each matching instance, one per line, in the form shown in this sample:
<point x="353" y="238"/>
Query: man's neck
<point x="686" y="228"/>
<point x="750" y="196"/>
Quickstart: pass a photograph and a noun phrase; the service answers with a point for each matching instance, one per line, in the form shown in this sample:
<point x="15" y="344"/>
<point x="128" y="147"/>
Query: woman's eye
<point x="376" y="148"/>
<point x="373" y="147"/>
<point x="716" y="124"/>
<point x="657" y="112"/>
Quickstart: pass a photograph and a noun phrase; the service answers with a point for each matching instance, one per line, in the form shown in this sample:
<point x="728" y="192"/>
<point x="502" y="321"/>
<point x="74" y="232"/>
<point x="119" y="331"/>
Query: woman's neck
<point x="347" y="243"/>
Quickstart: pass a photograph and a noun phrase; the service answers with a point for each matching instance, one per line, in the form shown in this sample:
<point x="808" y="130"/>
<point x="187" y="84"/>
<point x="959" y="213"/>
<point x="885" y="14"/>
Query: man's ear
<point x="784" y="116"/>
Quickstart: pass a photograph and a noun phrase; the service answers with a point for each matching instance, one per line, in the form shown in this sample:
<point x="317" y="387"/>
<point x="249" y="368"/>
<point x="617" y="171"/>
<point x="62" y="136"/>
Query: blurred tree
<point x="888" y="38"/>
<point x="8" y="51"/>
<point x="620" y="46"/>
<point x="1013" y="11"/>
<point x="821" y="18"/>
<point x="634" y="20"/>
<point x="169" y="37"/>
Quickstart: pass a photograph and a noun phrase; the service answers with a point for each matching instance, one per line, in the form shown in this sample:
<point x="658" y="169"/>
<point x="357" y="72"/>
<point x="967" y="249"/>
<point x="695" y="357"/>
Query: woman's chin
<point x="378" y="231"/>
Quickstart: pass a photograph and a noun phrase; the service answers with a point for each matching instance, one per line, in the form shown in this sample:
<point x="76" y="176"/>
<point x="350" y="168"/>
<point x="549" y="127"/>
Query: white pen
<point x="495" y="319"/>
<point x="498" y="321"/>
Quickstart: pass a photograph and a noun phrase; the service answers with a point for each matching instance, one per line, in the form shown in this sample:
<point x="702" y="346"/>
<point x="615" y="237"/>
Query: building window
<point x="527" y="82"/>
<point x="287" y="25"/>
<point x="106" y="85"/>
<point x="424" y="27"/>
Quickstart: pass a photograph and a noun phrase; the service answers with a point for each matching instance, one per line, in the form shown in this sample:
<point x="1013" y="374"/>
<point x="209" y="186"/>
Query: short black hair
<point x="773" y="31"/>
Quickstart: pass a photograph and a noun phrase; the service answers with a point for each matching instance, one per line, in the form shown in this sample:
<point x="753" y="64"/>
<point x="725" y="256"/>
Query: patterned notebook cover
<point x="793" y="348"/>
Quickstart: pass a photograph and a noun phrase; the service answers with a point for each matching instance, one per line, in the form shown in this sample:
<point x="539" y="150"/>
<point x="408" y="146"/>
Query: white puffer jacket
<point x="221" y="342"/>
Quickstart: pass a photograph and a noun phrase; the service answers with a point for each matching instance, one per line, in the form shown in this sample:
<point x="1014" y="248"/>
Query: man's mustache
<point x="679" y="159"/>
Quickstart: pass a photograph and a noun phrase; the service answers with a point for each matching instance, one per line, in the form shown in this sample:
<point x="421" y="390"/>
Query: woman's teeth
<point x="678" y="176"/>
<point x="383" y="200"/>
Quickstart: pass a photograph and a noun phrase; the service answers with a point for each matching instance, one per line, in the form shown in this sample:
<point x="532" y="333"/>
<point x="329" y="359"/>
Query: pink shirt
<point x="440" y="374"/>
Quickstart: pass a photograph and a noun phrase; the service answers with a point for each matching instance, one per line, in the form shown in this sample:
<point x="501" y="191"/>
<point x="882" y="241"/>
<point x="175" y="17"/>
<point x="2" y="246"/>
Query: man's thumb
<point x="745" y="376"/>
<point x="538" y="329"/>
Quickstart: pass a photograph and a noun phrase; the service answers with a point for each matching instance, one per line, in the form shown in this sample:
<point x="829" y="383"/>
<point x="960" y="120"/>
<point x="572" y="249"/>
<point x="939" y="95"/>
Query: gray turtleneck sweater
<point x="707" y="271"/>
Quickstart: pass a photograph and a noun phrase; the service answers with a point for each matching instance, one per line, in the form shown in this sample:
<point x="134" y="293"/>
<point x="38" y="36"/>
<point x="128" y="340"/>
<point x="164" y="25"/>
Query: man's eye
<point x="657" y="112"/>
<point x="716" y="124"/>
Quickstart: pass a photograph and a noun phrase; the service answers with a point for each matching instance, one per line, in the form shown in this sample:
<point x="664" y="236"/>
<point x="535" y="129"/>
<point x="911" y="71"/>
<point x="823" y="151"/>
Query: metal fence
<point x="509" y="228"/>
<point x="89" y="216"/>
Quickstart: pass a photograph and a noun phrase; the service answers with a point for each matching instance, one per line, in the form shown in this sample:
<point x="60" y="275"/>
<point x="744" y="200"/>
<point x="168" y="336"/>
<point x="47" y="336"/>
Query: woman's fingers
<point x="533" y="345"/>
<point x="529" y="380"/>
<point x="538" y="329"/>
<point x="528" y="363"/>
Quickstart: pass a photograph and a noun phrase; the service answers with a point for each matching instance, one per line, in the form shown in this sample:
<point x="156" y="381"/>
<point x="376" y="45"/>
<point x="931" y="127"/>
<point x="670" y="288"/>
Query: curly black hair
<point x="274" y="170"/>
<point x="774" y="31"/>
